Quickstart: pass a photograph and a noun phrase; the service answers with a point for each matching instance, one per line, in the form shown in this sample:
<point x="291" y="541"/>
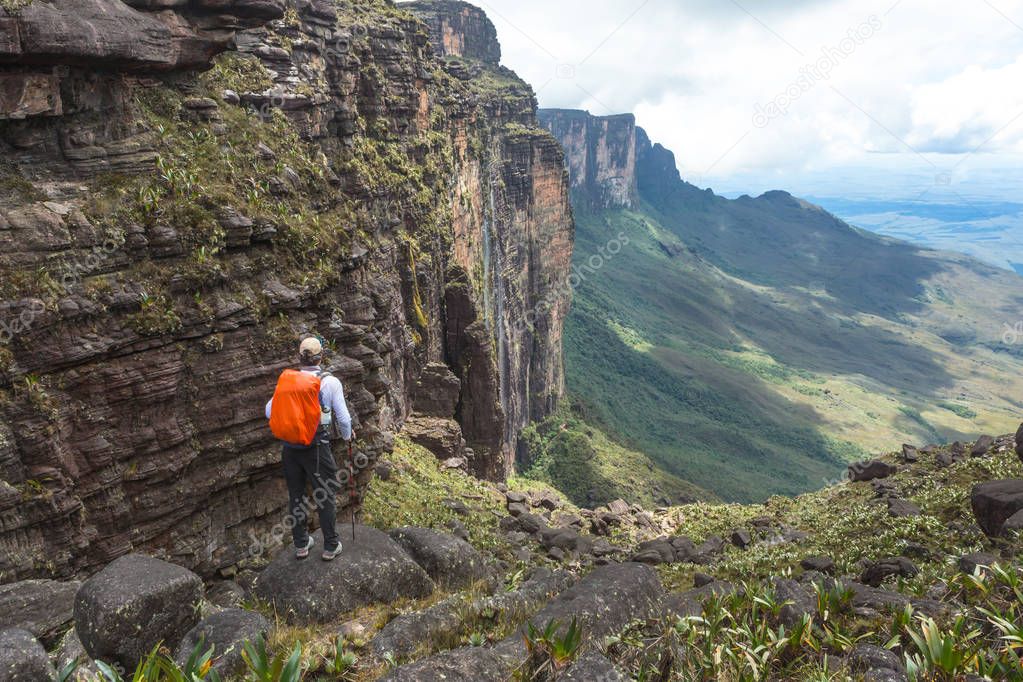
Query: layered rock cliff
<point x="601" y="155"/>
<point x="169" y="233"/>
<point x="459" y="30"/>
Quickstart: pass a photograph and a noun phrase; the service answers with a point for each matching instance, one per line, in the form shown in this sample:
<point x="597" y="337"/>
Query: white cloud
<point x="963" y="111"/>
<point x="935" y="77"/>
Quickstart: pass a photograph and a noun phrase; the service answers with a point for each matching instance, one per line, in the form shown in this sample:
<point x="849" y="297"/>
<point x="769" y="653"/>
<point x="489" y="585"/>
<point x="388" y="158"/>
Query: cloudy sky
<point x="816" y="96"/>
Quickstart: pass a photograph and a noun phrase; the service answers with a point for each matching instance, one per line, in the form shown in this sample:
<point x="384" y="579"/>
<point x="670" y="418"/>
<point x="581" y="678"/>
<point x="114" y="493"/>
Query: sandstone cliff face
<point x="458" y="29"/>
<point x="166" y="235"/>
<point x="600" y="153"/>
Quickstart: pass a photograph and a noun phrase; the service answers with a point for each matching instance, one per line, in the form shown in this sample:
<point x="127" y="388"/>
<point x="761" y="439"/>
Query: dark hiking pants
<point x="314" y="465"/>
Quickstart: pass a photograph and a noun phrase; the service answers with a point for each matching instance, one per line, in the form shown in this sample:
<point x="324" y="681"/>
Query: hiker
<point x="308" y="410"/>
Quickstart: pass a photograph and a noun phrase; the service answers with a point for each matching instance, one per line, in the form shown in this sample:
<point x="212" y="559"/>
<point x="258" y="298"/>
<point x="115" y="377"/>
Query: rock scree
<point x="603" y="602"/>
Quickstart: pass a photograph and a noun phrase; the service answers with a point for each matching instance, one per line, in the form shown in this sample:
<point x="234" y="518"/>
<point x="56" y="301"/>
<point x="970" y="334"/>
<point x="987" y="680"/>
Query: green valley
<point x="756" y="346"/>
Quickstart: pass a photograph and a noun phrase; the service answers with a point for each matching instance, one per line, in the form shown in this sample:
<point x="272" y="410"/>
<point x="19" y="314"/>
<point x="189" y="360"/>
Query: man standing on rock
<point x="308" y="410"/>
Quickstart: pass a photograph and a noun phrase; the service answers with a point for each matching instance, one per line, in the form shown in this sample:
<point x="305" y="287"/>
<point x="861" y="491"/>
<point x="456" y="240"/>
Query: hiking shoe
<point x="331" y="554"/>
<point x="303" y="552"/>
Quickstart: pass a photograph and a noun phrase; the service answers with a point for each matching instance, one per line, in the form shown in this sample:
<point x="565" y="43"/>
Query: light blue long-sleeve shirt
<point x="332" y="394"/>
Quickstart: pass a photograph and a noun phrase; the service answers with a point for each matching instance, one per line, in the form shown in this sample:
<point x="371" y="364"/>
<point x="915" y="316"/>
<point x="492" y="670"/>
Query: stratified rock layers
<point x="148" y="304"/>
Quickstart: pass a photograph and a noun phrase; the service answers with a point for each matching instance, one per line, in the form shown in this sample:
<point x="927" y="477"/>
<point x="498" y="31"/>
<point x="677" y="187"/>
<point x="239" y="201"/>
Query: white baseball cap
<point x="310" y="346"/>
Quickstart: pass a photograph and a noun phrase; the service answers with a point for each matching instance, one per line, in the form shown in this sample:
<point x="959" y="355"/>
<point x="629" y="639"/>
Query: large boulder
<point x="23" y="658"/>
<point x="448" y="560"/>
<point x="870" y="469"/>
<point x="43" y="607"/>
<point x="994" y="502"/>
<point x="372" y="568"/>
<point x="981" y="447"/>
<point x="226" y="631"/>
<point x="798" y="600"/>
<point x="133" y="604"/>
<point x="607" y="599"/>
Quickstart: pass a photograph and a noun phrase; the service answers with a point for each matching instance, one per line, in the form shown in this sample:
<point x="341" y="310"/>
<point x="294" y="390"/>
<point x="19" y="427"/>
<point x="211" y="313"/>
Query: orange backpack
<point x="295" y="411"/>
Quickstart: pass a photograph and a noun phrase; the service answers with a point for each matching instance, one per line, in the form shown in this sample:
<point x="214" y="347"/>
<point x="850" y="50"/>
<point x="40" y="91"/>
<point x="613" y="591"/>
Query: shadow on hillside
<point x="733" y="436"/>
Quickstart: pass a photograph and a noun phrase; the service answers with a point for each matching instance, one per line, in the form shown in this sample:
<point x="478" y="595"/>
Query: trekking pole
<point x="351" y="484"/>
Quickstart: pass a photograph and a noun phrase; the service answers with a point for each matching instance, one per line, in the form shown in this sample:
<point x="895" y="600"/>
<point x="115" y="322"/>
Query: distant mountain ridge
<point x="986" y="229"/>
<point x="753" y="346"/>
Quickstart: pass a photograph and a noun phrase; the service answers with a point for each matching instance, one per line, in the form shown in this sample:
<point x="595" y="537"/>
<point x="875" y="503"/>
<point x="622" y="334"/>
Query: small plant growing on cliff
<point x="33" y="388"/>
<point x="156" y="316"/>
<point x="149" y="199"/>
<point x="65" y="673"/>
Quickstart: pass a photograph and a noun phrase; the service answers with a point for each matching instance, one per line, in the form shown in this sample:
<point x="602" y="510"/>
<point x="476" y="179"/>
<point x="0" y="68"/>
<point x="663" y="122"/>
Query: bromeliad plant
<point x="340" y="663"/>
<point x="944" y="654"/>
<point x="833" y="600"/>
<point x="266" y="667"/>
<point x="158" y="666"/>
<point x="551" y="649"/>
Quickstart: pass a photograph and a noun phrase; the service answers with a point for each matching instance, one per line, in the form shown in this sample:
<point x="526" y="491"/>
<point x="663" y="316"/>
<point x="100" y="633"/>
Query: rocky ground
<point x="906" y="571"/>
